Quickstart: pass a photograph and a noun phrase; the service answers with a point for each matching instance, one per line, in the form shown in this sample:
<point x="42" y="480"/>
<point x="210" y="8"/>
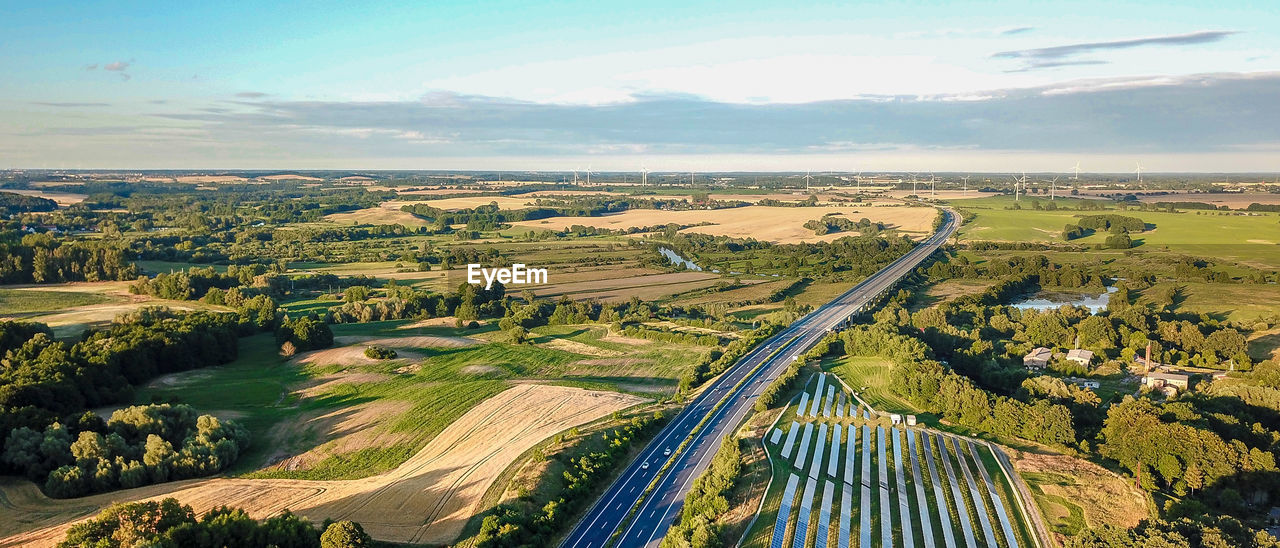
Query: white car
<point x="667" y="453"/>
<point x="644" y="465"/>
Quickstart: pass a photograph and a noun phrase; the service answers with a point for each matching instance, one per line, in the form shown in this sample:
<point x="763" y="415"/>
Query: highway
<point x="672" y="475"/>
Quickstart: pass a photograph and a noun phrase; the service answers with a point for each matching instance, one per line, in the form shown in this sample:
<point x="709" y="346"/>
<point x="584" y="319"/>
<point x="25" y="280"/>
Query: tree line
<point x="12" y="202"/>
<point x="41" y="258"/>
<point x="136" y="446"/>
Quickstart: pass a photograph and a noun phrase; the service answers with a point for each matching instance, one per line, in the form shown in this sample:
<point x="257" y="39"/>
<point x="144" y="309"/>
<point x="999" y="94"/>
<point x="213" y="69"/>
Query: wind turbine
<point x="807" y="179"/>
<point x="932" y="179"/>
<point x="1077" y="169"/>
<point x="644" y="176"/>
<point x="1138" y="171"/>
<point x="1053" y="188"/>
<point x="913" y="182"/>
<point x="1016" y="189"/>
<point x="588" y="174"/>
<point x="966" y="185"/>
<point x="575" y="175"/>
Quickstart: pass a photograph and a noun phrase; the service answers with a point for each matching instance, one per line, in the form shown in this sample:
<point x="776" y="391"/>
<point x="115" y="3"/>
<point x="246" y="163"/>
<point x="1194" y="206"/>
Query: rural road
<point x="671" y="476"/>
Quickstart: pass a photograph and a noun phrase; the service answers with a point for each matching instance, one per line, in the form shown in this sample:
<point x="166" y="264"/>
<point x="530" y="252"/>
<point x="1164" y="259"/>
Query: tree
<point x="306" y="333"/>
<point x="355" y="293"/>
<point x="518" y="334"/>
<point x="1118" y="241"/>
<point x="345" y="534"/>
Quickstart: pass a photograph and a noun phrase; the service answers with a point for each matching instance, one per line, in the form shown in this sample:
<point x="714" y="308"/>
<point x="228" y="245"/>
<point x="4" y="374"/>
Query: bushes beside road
<point x="732" y="353"/>
<point x="532" y="521"/>
<point x="706" y="500"/>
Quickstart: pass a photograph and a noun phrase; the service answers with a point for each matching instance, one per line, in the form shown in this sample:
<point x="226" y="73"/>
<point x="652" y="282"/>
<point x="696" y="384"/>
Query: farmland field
<point x="385" y="214"/>
<point x="772" y="224"/>
<point x="16" y="301"/>
<point x="63" y="199"/>
<point x="443" y="481"/>
<point x="1246" y="239"/>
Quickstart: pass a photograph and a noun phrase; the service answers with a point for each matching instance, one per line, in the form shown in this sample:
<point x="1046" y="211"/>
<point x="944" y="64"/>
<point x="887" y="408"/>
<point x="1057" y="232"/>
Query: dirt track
<point x="428" y="499"/>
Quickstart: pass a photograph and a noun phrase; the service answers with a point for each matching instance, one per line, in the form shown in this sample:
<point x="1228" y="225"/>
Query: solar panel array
<point x="895" y="466"/>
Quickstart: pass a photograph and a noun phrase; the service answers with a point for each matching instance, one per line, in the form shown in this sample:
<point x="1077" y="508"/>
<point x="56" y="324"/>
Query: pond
<point x="1049" y="300"/>
<point x="675" y="258"/>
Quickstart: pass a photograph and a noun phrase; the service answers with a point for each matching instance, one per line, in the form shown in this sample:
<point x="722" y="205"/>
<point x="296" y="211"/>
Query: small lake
<point x="1049" y="300"/>
<point x="675" y="258"/>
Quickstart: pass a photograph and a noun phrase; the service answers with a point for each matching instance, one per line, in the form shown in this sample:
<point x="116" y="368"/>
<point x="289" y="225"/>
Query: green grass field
<point x="254" y="389"/>
<point x="1252" y="240"/>
<point x="25" y="301"/>
<point x="1061" y="515"/>
<point x="1233" y="302"/>
<point x="870" y="377"/>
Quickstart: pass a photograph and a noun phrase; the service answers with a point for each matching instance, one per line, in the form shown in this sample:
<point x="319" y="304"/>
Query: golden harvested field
<point x="774" y="224"/>
<point x="290" y="177"/>
<point x="427" y="500"/>
<point x="64" y="199"/>
<point x="647" y="287"/>
<point x="388" y="213"/>
<point x="468" y="202"/>
<point x="439" y="191"/>
<point x="570" y="193"/>
<point x="202" y="179"/>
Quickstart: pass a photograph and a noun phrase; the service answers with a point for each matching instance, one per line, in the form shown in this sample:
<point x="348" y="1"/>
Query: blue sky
<point x="999" y="86"/>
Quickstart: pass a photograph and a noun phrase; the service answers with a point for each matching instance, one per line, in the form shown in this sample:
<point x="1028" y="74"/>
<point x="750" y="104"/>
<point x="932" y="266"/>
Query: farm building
<point x="1037" y="358"/>
<point x="1160" y="380"/>
<point x="1082" y="357"/>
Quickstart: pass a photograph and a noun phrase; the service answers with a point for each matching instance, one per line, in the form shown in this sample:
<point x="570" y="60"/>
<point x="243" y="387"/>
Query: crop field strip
<point x="894" y="495"/>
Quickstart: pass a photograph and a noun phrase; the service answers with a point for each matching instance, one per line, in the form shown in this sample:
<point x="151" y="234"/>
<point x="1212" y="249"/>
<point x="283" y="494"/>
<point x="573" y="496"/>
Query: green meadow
<point x="1251" y="239"/>
<point x="25" y="301"/>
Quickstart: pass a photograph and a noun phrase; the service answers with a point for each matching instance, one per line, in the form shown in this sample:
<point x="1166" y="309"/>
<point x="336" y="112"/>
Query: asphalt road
<point x="658" y="509"/>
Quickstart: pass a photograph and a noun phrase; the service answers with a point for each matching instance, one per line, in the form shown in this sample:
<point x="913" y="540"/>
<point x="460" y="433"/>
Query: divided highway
<point x="671" y="470"/>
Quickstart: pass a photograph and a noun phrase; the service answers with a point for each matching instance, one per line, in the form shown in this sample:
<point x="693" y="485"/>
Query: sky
<point x="669" y="86"/>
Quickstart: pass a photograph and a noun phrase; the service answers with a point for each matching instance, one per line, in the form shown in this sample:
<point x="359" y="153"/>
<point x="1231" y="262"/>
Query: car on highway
<point x="667" y="453"/>
<point x="644" y="465"/>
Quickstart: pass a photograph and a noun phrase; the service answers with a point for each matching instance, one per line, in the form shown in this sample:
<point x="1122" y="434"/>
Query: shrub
<point x="345" y="534"/>
<point x="380" y="353"/>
